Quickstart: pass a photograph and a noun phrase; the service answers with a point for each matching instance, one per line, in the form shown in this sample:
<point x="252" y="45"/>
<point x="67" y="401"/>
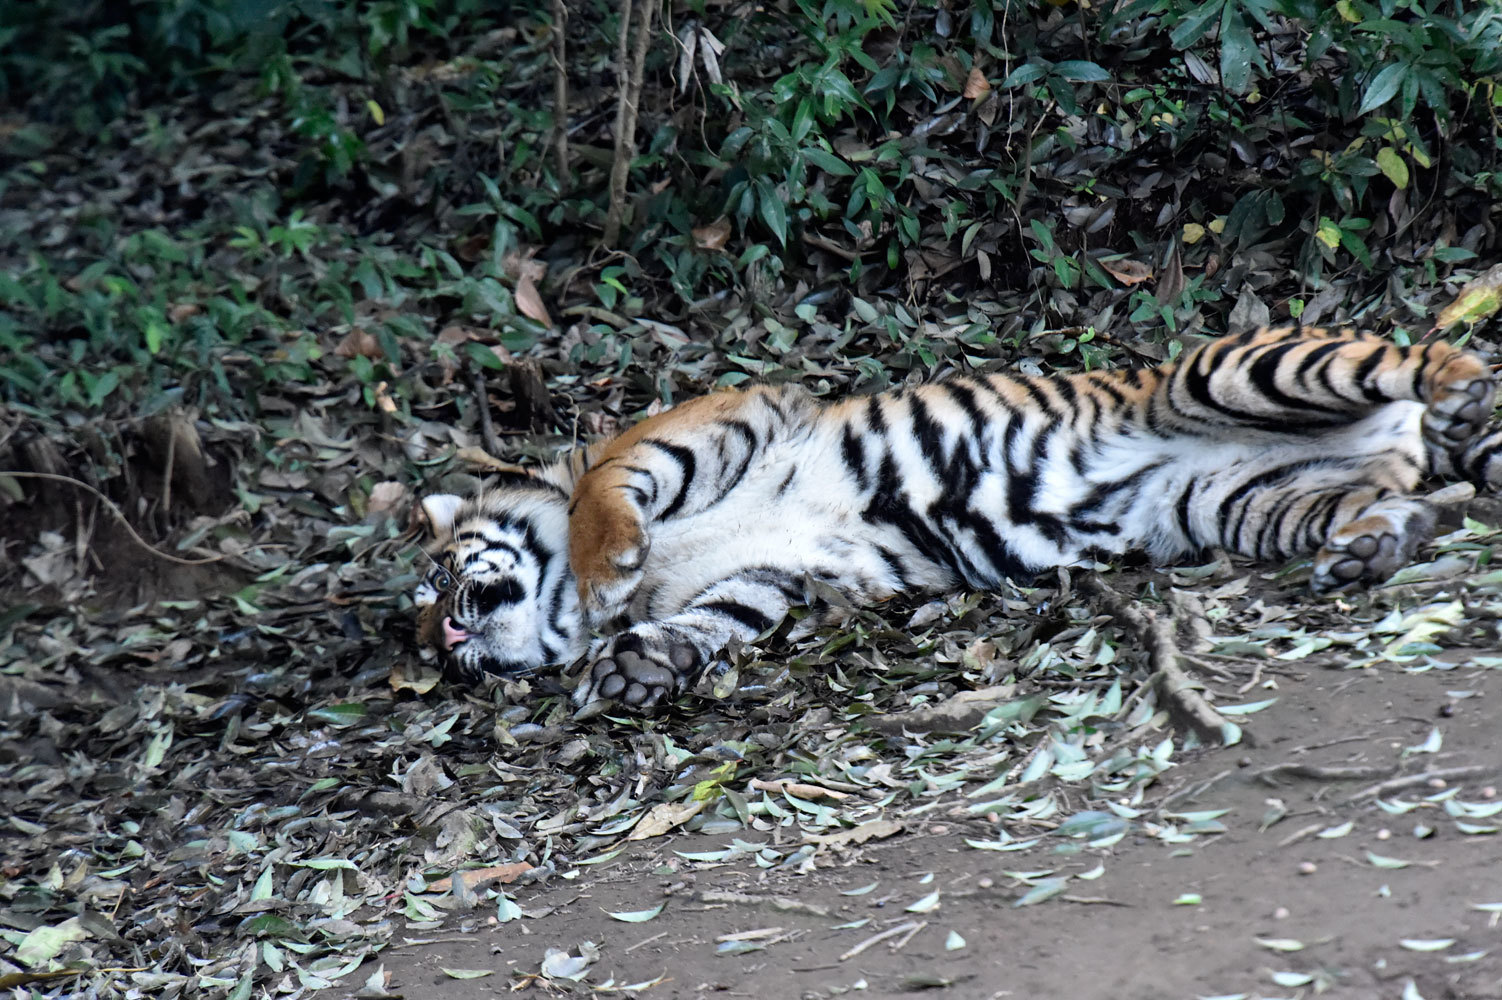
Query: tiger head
<point x="500" y="598"/>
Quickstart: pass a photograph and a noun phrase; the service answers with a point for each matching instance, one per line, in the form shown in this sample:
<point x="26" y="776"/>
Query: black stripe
<point x="686" y="466"/>
<point x="1264" y="375"/>
<point x="853" y="451"/>
<point x="1364" y="372"/>
<point x="1181" y="513"/>
<point x="754" y="620"/>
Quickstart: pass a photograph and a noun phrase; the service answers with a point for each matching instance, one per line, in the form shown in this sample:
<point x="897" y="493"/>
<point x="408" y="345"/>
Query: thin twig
<point x="874" y="939"/>
<point x="560" y="91"/>
<point x="1408" y="781"/>
<point x="143" y="543"/>
<point x="171" y="462"/>
<point x="487" y="429"/>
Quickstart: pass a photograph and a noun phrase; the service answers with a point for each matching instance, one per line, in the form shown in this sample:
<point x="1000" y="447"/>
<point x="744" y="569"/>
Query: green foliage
<point x="864" y="143"/>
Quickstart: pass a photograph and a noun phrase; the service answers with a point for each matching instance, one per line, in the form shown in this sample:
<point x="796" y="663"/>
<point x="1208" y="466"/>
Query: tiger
<point x="652" y="552"/>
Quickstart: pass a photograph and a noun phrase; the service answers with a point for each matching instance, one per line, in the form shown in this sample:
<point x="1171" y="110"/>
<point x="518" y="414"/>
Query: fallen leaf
<point x="530" y="302"/>
<point x="1479" y="298"/>
<point x="1128" y="272"/>
<point x="797" y="788"/>
<point x="387" y="495"/>
<point x="976" y="84"/>
<point x="483" y="458"/>
<point x="712" y="236"/>
<point x="358" y="343"/>
<point x="876" y="829"/>
<point x="476" y="877"/>
<point x="665" y="816"/>
<point x="383" y="399"/>
<point x="424" y="680"/>
<point x="183" y="310"/>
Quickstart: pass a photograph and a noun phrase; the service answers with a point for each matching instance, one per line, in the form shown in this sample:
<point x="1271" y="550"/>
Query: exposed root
<point x="1321" y="772"/>
<point x="119" y="515"/>
<point x="1177" y="690"/>
<point x="1412" y="780"/>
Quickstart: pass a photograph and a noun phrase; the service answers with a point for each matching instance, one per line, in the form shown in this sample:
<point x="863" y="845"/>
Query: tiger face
<point x="499" y="597"/>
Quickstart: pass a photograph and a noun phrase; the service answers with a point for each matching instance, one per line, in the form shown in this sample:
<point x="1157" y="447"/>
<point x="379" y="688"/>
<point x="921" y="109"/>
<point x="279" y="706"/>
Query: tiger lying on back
<point x="704" y="523"/>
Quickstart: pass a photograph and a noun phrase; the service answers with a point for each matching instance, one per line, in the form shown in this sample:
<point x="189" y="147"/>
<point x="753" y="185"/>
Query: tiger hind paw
<point x="1373" y="547"/>
<point x="1459" y="412"/>
<point x="639" y="669"/>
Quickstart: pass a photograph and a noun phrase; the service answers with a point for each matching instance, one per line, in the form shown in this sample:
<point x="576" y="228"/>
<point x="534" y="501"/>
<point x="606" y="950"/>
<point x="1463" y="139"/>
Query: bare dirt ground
<point x="1301" y="895"/>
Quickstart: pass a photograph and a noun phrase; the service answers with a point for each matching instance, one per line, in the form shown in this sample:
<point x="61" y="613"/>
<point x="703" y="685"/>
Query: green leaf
<point x="467" y="973"/>
<point x="1195" y="23"/>
<point x="635" y="916"/>
<point x="827" y="162"/>
<point x="1383" y="88"/>
<point x="339" y="715"/>
<point x="42" y="944"/>
<point x="1391" y="162"/>
<point x="1026" y="73"/>
<point x="1081" y="71"/>
<point x="483" y="356"/>
<point x="1238" y="51"/>
<point x="773" y="211"/>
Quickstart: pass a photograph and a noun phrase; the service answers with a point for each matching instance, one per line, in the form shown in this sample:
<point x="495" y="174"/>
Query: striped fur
<point x="706" y="523"/>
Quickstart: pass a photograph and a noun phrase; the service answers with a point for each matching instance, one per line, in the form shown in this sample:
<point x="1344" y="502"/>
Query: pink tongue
<point x="452" y="635"/>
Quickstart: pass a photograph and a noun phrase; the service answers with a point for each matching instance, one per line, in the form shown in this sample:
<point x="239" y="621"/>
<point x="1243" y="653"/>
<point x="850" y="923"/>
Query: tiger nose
<point x="452" y="634"/>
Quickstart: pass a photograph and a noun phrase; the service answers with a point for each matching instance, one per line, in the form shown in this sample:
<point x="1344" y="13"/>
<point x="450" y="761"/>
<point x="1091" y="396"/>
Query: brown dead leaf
<point x="477" y="877"/>
<point x="387" y="495"/>
<point x="530" y="302"/>
<point x="1171" y="282"/>
<point x="876" y="829"/>
<point x="358" y="343"/>
<point x="453" y="336"/>
<point x="1128" y="272"/>
<point x="522" y="264"/>
<point x="483" y="458"/>
<point x="665" y="816"/>
<point x="418" y="677"/>
<point x="797" y="788"/>
<point x="183" y="310"/>
<point x="712" y="236"/>
<point x="976" y="84"/>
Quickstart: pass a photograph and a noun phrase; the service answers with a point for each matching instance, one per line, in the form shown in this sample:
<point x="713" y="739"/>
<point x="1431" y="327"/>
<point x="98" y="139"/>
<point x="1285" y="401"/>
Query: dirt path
<point x="1145" y="917"/>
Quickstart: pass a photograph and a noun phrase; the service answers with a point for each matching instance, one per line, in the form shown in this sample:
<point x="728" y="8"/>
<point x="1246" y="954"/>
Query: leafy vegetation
<point x="1020" y="149"/>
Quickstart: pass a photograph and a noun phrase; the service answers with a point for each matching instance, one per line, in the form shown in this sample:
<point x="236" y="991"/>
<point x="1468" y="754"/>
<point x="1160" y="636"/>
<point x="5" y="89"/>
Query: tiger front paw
<point x="638" y="671"/>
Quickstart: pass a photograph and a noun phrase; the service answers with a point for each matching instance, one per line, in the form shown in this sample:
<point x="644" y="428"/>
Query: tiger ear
<point x="440" y="509"/>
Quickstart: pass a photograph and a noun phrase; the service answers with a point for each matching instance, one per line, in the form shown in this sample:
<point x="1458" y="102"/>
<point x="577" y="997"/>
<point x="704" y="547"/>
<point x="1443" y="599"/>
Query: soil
<point x="1161" y="920"/>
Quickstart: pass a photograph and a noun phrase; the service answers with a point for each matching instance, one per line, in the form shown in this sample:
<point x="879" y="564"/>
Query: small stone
<point x="1384" y="833"/>
<point x="1281" y="913"/>
<point x="1437" y="783"/>
<point x="1308" y="867"/>
<point x="985" y="882"/>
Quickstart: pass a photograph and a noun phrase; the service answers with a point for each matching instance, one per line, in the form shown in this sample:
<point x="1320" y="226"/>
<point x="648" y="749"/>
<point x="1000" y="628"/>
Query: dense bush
<point x="1057" y="156"/>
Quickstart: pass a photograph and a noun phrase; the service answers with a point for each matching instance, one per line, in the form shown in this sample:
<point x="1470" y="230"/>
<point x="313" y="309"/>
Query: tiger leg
<point x="652" y="660"/>
<point x="1291" y="378"/>
<point x="1478" y="461"/>
<point x="1360" y="533"/>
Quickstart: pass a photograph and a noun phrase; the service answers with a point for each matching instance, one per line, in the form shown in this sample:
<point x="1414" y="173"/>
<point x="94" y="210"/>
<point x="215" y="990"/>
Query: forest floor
<point x="1336" y="897"/>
